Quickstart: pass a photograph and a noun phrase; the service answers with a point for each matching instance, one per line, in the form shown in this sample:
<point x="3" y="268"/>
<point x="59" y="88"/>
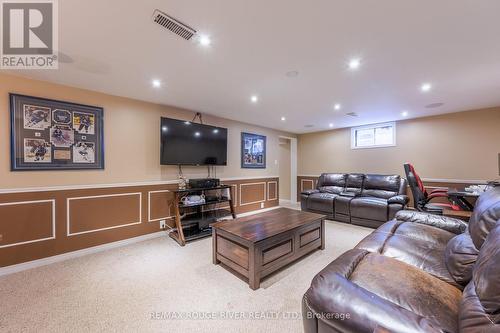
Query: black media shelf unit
<point x="193" y="221"/>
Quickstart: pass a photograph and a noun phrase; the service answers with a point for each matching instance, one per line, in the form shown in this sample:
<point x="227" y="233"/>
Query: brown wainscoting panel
<point x="305" y="183"/>
<point x="103" y="212"/>
<point x="251" y="193"/>
<point x="160" y="205"/>
<point x="24" y="222"/>
<point x="97" y="216"/>
<point x="272" y="190"/>
<point x="253" y="190"/>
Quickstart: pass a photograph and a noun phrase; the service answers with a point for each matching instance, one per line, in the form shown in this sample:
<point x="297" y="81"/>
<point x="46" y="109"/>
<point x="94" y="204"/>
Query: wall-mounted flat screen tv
<point x="188" y="143"/>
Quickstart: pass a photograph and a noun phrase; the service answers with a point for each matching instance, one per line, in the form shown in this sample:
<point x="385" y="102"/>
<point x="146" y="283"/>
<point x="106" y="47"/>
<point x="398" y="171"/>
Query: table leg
<point x="254" y="268"/>
<point x="322" y="247"/>
<point x="214" y="247"/>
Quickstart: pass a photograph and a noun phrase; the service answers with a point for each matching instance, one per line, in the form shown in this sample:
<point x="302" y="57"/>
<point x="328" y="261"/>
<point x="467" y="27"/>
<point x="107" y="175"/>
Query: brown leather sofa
<point x="363" y="199"/>
<point x="416" y="273"/>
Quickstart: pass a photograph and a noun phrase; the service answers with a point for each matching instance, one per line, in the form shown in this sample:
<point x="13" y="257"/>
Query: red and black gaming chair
<point x="421" y="198"/>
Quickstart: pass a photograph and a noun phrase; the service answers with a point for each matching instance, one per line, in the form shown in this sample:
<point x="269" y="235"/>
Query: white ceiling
<point x="453" y="44"/>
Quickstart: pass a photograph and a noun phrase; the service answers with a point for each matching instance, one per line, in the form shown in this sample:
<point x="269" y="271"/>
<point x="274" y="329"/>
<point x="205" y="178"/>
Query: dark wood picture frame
<point x="246" y="160"/>
<point x="48" y="134"/>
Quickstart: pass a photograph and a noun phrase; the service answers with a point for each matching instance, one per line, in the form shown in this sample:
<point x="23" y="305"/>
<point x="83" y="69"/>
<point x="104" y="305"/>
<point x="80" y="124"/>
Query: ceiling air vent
<point x="351" y="114"/>
<point x="434" y="105"/>
<point x="173" y="25"/>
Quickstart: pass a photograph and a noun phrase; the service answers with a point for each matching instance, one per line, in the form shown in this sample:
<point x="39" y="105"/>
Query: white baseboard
<point x="75" y="254"/>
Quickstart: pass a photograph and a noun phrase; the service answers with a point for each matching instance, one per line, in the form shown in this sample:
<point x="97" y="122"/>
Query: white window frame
<point x="373" y="126"/>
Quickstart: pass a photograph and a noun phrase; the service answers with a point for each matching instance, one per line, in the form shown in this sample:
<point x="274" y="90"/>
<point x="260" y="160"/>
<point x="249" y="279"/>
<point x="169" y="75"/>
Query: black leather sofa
<point x="416" y="273"/>
<point x="363" y="199"/>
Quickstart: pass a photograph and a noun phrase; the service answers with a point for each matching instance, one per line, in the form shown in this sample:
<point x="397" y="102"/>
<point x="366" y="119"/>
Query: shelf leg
<point x="179" y="235"/>
<point x="231" y="206"/>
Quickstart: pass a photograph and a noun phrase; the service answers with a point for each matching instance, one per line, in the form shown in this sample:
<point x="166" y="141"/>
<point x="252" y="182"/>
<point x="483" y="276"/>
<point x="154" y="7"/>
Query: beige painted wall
<point x="132" y="140"/>
<point x="284" y="168"/>
<point x="462" y="145"/>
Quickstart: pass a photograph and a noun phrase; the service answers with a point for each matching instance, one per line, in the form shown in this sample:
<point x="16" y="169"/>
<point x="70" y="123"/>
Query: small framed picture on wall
<point x="54" y="135"/>
<point x="253" y="151"/>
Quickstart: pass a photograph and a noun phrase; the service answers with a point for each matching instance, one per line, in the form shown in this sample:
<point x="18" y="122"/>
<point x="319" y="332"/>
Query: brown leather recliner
<point x="416" y="273"/>
<point x="363" y="199"/>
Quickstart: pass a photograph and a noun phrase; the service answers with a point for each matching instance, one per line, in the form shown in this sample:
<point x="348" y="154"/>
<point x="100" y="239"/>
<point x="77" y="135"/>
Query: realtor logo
<point x="29" y="34"/>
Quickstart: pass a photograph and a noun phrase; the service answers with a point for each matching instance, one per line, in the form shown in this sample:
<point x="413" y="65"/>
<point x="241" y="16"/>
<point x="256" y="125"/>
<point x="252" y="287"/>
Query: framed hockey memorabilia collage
<point x="55" y="135"/>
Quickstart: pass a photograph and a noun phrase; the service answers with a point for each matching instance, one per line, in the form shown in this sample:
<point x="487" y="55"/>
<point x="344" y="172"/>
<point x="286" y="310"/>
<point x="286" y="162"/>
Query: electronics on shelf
<point x="204" y="183"/>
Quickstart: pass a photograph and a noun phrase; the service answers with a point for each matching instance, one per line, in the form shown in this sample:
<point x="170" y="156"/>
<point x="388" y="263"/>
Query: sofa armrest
<point x="309" y="192"/>
<point x="344" y="306"/>
<point x="450" y="224"/>
<point x="398" y="199"/>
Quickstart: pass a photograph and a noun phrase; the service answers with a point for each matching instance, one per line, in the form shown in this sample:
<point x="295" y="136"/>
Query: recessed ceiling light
<point x="215" y="131"/>
<point x="292" y="73"/>
<point x="354" y="63"/>
<point x="283" y="118"/>
<point x="156" y="83"/>
<point x="309" y="126"/>
<point x="337" y="106"/>
<point x="164" y="128"/>
<point x="330" y="125"/>
<point x="426" y="87"/>
<point x="404" y="113"/>
<point x="187" y="122"/>
<point x="197" y="133"/>
<point x="204" y="40"/>
<point x="254" y="99"/>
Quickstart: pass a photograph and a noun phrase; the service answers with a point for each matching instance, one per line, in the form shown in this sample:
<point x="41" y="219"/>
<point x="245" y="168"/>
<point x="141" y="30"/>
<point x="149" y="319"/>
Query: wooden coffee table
<point x="257" y="245"/>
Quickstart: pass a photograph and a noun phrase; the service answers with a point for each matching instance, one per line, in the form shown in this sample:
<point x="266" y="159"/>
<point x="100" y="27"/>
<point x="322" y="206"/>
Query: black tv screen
<point x="188" y="143"/>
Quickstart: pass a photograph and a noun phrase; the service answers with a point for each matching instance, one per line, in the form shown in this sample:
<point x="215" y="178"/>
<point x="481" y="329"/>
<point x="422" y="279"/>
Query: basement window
<point x="373" y="136"/>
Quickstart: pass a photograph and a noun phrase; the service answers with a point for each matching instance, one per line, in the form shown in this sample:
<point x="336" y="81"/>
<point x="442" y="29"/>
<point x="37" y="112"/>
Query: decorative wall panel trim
<point x="275" y="190"/>
<point x="306" y="180"/>
<point x="149" y="207"/>
<point x="53" y="236"/>
<point x="253" y="202"/>
<point x="109" y="214"/>
<point x="99" y="186"/>
<point x="68" y="209"/>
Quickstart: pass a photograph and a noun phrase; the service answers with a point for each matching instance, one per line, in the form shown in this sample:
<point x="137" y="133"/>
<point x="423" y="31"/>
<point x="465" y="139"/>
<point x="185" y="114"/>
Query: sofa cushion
<point x="323" y="202"/>
<point x="460" y="257"/>
<point x="416" y="244"/>
<point x="485" y="216"/>
<point x="391" y="279"/>
<point x="450" y="224"/>
<point x="486" y="274"/>
<point x="381" y="186"/>
<point x="480" y="306"/>
<point x="370" y="208"/>
<point x="332" y="182"/>
<point x="354" y="183"/>
<point x="382" y="291"/>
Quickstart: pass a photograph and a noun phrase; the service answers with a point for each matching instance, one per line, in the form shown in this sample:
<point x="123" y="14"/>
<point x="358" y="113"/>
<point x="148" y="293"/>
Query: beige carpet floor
<point x="137" y="287"/>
